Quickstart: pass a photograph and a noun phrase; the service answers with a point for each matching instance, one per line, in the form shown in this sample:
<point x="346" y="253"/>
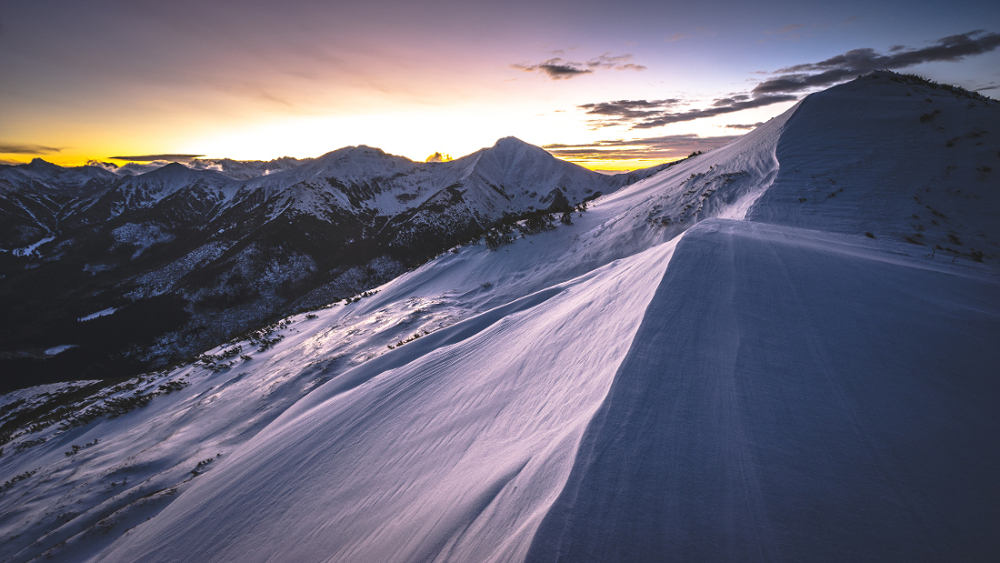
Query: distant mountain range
<point x="189" y="257"/>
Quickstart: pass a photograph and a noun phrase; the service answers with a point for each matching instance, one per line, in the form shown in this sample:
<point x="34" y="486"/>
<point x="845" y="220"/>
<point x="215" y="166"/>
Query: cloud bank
<point x="859" y="61"/>
<point x="667" y="146"/>
<point x="645" y="114"/>
<point x="559" y="69"/>
<point x="16" y="148"/>
<point x="161" y="157"/>
<point x="788" y="83"/>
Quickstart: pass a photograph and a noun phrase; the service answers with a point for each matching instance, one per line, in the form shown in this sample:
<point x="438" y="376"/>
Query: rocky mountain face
<point x="187" y="257"/>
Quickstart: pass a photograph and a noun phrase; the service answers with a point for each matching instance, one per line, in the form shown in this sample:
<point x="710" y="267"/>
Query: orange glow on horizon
<point x="620" y="165"/>
<point x="597" y="164"/>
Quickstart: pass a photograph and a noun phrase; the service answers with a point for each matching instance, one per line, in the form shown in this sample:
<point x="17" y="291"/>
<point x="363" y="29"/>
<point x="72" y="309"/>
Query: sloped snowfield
<point x="716" y="363"/>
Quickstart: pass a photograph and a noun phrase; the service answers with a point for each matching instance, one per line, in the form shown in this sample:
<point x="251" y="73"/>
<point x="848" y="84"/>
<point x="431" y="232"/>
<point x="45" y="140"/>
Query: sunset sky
<point x="640" y="81"/>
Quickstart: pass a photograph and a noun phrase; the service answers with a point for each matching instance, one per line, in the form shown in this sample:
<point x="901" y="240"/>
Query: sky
<point x="610" y="85"/>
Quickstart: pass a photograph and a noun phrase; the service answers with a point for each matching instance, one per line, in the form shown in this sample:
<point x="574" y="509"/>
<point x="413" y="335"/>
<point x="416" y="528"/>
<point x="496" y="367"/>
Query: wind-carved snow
<point x="456" y="373"/>
<point x="763" y="383"/>
<point x="721" y="361"/>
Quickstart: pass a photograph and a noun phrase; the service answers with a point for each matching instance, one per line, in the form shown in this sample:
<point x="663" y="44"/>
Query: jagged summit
<point x="40" y="164"/>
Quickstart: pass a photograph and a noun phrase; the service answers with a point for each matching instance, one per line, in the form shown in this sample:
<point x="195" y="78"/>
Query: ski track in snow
<point x="712" y="364"/>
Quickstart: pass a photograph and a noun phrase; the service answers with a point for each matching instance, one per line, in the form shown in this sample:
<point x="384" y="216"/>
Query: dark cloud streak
<point x="27" y="149"/>
<point x="735" y="106"/>
<point x="669" y="146"/>
<point x="159" y="157"/>
<point x="642" y="114"/>
<point x="559" y="69"/>
<point x="556" y="69"/>
<point x="860" y="61"/>
<point x="628" y="111"/>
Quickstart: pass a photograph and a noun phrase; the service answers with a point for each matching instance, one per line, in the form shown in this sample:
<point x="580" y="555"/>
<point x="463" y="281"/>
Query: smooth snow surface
<point x="720" y="362"/>
<point x="835" y="405"/>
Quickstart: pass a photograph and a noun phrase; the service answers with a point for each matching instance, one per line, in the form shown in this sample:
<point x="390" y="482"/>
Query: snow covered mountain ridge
<point x="783" y="349"/>
<point x="208" y="255"/>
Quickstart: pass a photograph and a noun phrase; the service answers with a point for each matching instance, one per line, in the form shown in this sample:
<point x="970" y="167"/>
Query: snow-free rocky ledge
<point x="716" y="363"/>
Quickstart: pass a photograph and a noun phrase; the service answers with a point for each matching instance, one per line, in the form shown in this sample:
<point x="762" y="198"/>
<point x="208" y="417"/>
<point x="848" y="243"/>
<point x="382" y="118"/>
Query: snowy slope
<point x="36" y="197"/>
<point x="246" y="169"/>
<point x="470" y="430"/>
<point x="793" y="395"/>
<point x="216" y="256"/>
<point x="916" y="161"/>
<point x="146" y="190"/>
<point x="45" y="176"/>
<point x="716" y="363"/>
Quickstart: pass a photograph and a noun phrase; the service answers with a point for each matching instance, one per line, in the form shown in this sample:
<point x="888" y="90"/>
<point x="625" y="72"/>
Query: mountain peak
<point x="179" y="174"/>
<point x="514" y="148"/>
<point x="511" y="141"/>
<point x="172" y="169"/>
<point x="41" y="164"/>
<point x="354" y="150"/>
